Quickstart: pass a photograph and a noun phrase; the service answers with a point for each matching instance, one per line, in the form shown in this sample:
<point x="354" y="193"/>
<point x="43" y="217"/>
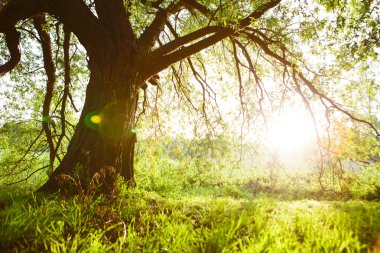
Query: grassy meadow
<point x="210" y="220"/>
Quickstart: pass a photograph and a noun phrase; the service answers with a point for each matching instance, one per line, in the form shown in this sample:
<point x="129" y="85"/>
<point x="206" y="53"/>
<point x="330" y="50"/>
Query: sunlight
<point x="291" y="130"/>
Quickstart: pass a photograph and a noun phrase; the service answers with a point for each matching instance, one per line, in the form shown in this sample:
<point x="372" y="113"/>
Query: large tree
<point x="126" y="53"/>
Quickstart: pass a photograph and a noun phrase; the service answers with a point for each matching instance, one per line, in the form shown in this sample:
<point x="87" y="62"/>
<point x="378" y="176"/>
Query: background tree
<point x="128" y="43"/>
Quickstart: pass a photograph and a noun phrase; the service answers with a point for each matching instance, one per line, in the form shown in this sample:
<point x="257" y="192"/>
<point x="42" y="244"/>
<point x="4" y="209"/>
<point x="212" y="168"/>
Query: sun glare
<point x="291" y="130"/>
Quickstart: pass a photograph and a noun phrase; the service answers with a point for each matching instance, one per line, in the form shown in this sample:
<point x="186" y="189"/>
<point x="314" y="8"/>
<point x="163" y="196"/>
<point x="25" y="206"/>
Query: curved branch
<point x="73" y="13"/>
<point x="251" y="69"/>
<point x="13" y="41"/>
<point x="16" y="10"/>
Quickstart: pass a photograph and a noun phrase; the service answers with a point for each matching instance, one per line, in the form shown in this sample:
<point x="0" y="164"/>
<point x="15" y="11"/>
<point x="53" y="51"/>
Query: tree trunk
<point x="104" y="136"/>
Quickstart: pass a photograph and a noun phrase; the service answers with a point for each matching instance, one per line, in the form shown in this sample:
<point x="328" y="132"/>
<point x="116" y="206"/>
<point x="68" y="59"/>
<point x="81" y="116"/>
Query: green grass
<point x="203" y="220"/>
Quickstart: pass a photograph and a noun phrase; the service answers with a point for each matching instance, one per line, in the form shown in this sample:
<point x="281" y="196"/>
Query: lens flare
<point x="92" y="120"/>
<point x="109" y="122"/>
<point x="96" y="119"/>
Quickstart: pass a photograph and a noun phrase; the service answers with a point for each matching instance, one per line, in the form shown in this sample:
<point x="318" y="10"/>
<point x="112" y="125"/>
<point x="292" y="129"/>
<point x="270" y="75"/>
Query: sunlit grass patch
<point x="144" y="221"/>
<point x="311" y="226"/>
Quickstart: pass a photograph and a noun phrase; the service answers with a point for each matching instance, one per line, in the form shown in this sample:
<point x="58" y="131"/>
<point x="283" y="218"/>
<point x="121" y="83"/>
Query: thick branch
<point x="78" y="17"/>
<point x="16" y="10"/>
<point x="185" y="52"/>
<point x="188" y="38"/>
<point x="243" y="22"/>
<point x="10" y="14"/>
<point x="13" y="41"/>
<point x="73" y="13"/>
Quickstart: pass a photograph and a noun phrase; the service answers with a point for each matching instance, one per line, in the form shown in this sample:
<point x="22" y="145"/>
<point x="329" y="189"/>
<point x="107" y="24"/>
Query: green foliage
<point x="208" y="167"/>
<point x="358" y="25"/>
<point x="368" y="183"/>
<point x="177" y="163"/>
<point x="16" y="140"/>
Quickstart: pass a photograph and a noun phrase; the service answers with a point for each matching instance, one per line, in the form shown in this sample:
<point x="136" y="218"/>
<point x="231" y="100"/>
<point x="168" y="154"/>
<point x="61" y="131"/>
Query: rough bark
<point x="104" y="136"/>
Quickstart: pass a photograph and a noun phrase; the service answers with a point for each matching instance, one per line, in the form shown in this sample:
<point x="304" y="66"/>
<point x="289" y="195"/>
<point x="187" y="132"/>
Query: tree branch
<point x="29" y="176"/>
<point x="10" y="14"/>
<point x="114" y="16"/>
<point x="67" y="81"/>
<point x="167" y="60"/>
<point x="222" y="32"/>
<point x="78" y="17"/>
<point x="39" y="23"/>
<point x="258" y="13"/>
<point x="252" y="70"/>
<point x="152" y="32"/>
<point x="188" y="38"/>
<point x="73" y="13"/>
<point x="237" y="65"/>
<point x="16" y="10"/>
<point x="18" y="162"/>
<point x="311" y="87"/>
<point x="199" y="7"/>
<point x="13" y="41"/>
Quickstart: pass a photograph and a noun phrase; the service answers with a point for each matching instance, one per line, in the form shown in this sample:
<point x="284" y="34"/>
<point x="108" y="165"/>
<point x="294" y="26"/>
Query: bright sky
<point x="291" y="129"/>
<point x="291" y="138"/>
